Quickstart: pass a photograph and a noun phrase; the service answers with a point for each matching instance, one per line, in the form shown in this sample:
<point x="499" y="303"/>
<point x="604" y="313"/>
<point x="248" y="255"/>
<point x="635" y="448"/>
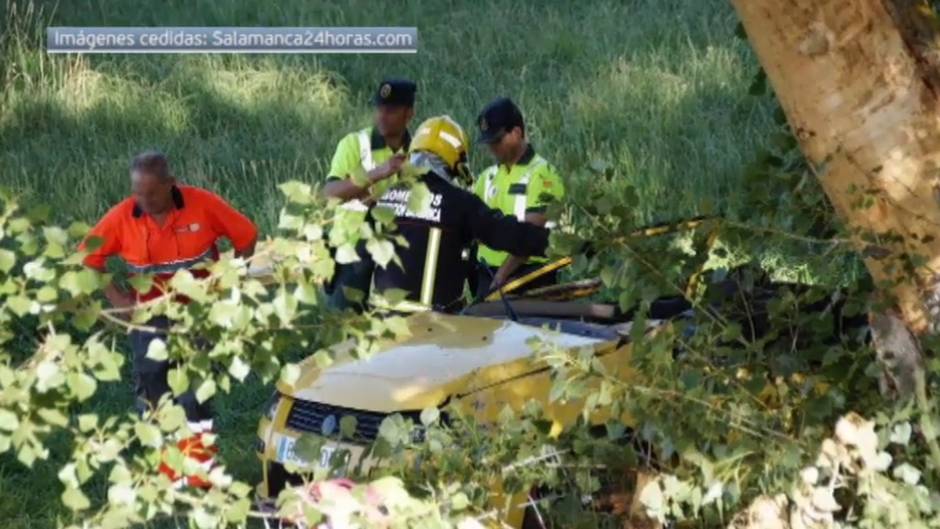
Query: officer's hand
<point x="387" y="169"/>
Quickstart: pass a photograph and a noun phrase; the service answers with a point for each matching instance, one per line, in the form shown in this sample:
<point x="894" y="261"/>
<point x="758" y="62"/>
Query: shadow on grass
<point x="229" y="131"/>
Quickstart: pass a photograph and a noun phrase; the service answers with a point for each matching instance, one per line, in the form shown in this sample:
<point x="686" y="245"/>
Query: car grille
<point x="307" y="416"/>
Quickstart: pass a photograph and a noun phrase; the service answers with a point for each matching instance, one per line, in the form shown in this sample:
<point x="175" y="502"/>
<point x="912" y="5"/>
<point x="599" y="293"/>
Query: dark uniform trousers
<point x="150" y="376"/>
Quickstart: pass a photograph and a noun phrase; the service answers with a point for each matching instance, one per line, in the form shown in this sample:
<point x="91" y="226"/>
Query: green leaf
<point x="285" y="306"/>
<point x="156" y="350"/>
<point x="313" y="232"/>
<point x="394" y="430"/>
<point x="206" y="390"/>
<point x="141" y="282"/>
<point x="19" y="305"/>
<point x="907" y="473"/>
<point x="87" y="422"/>
<point x="75" y="499"/>
<point x="53" y="416"/>
<point x="651" y="496"/>
<point x="296" y="192"/>
<point x="171" y="418"/>
<point x="323" y="359"/>
<point x="68" y="476"/>
<point x="346" y="254"/>
<point x="186" y="284"/>
<point x="308" y="447"/>
<point x="347" y="426"/>
<point x="8" y="420"/>
<point x="46" y="294"/>
<point x="87" y="316"/>
<point x="238" y="369"/>
<point x="382" y="251"/>
<point x="81" y="385"/>
<point x="306" y="293"/>
<point x="901" y="433"/>
<point x="121" y="494"/>
<point x="398" y="325"/>
<point x="383" y="214"/>
<point x="148" y="434"/>
<point x="394" y="296"/>
<point x="237" y="512"/>
<point x="48" y="375"/>
<point x="419" y="200"/>
<point x="178" y="381"/>
<point x="429" y="416"/>
<point x="7" y="260"/>
<point x="459" y="501"/>
<point x="290" y="373"/>
<point x="87" y="281"/>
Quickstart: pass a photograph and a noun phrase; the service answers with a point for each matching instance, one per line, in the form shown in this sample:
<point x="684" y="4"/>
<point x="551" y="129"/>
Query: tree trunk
<point x="859" y="82"/>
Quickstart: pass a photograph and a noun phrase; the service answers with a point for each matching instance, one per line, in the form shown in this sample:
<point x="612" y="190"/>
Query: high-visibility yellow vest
<point x="517" y="190"/>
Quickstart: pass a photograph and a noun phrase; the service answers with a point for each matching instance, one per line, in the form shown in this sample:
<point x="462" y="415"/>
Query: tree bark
<point x="859" y="82"/>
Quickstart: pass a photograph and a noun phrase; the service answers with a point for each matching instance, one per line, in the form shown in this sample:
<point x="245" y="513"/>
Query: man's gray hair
<point x="151" y="162"/>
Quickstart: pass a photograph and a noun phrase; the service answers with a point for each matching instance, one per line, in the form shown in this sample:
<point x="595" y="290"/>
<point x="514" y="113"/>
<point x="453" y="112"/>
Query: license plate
<point x="287" y="454"/>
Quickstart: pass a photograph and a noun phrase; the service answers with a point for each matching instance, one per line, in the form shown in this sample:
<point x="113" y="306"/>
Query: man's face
<point x="153" y="193"/>
<point x="392" y="120"/>
<point x="506" y="149"/>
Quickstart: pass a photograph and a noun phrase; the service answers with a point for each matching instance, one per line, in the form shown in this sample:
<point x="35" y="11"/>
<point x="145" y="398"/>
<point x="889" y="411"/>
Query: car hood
<point x="445" y="355"/>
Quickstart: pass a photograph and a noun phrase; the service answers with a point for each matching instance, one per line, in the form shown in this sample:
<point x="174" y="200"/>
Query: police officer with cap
<point x="432" y="272"/>
<point x="520" y="184"/>
<point x="362" y="161"/>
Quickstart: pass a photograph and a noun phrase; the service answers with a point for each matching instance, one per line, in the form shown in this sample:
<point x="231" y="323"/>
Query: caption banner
<point x="231" y="40"/>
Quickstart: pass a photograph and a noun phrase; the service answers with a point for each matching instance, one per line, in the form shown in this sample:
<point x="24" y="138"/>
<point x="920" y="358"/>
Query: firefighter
<point x="521" y="183"/>
<point x="379" y="152"/>
<point x="164" y="227"/>
<point x="432" y="272"/>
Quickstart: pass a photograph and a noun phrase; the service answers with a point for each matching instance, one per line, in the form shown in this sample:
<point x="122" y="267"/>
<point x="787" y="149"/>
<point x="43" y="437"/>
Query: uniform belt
<point x="168" y="267"/>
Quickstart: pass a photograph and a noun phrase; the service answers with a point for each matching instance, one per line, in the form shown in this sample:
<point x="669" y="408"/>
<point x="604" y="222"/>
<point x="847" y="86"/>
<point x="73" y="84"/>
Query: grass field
<point x="656" y="88"/>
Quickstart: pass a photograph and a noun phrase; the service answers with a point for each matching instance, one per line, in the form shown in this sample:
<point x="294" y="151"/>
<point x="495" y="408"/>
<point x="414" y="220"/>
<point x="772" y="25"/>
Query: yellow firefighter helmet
<point x="442" y="136"/>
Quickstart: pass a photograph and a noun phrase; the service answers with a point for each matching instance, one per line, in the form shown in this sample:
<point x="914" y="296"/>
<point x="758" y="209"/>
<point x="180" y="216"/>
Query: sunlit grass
<point x="656" y="89"/>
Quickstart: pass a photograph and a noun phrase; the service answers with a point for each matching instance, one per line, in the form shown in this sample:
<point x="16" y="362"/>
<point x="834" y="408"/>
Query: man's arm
<point x="118" y="298"/>
<point x="107" y="235"/>
<point x="346" y="162"/>
<point x="233" y="224"/>
<point x="513" y="262"/>
<point x="345" y="189"/>
<point x="502" y="232"/>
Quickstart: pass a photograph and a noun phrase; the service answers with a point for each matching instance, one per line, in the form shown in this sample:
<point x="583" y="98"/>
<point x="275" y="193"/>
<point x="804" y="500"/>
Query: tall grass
<point x="654" y="88"/>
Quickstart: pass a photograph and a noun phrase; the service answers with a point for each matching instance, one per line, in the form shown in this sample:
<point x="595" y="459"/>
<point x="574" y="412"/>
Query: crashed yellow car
<point x="480" y="363"/>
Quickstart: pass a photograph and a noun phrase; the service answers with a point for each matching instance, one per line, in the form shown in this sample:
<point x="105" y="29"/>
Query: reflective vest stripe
<point x="365" y="150"/>
<point x="365" y="158"/>
<point x="430" y="266"/>
<point x="522" y="198"/>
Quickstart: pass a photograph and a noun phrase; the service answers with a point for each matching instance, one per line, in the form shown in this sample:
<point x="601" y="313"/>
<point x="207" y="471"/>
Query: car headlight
<point x="270" y="409"/>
